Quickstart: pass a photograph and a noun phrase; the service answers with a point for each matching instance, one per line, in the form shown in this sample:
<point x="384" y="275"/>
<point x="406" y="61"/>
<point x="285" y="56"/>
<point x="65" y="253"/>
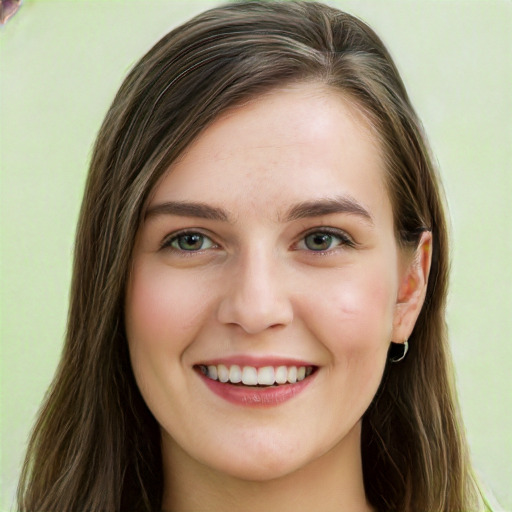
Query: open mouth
<point x="250" y="376"/>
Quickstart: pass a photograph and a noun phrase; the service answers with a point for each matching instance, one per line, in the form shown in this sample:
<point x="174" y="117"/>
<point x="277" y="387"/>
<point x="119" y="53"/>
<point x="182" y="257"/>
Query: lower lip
<point x="254" y="396"/>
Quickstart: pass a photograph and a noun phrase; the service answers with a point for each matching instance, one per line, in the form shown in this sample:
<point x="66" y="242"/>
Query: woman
<point x="257" y="308"/>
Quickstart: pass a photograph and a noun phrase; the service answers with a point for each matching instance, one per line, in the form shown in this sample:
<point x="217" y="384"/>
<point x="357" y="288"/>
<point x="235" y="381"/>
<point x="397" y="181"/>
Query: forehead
<point x="299" y="143"/>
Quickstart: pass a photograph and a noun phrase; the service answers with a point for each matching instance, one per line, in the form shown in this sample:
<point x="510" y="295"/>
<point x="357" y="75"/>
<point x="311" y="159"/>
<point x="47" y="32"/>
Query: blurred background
<point x="61" y="63"/>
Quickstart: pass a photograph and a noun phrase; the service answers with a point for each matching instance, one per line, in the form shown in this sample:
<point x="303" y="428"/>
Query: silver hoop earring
<point x="398" y="351"/>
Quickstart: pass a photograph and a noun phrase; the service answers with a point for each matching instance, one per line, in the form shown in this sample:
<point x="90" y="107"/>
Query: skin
<point x="255" y="287"/>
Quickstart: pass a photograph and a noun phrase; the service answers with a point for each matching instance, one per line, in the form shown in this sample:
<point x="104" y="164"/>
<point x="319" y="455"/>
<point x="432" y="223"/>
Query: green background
<point x="61" y="63"/>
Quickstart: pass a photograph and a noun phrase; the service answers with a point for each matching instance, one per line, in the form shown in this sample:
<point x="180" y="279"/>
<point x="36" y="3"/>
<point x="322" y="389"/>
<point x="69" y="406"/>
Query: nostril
<point x="254" y="318"/>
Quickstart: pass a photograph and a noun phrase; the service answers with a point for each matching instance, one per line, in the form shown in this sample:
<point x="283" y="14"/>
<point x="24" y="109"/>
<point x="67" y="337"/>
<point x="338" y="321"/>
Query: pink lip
<point x="251" y="396"/>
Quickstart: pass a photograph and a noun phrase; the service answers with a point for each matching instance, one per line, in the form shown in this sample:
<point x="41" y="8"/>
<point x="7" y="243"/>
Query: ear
<point x="414" y="271"/>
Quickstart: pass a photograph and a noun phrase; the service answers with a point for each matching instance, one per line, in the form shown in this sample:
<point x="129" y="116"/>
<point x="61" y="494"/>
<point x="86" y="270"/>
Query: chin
<point x="261" y="469"/>
<point x="266" y="457"/>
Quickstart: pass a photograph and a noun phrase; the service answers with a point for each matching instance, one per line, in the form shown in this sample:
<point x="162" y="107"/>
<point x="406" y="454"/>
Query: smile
<point x="252" y="376"/>
<point x="256" y="386"/>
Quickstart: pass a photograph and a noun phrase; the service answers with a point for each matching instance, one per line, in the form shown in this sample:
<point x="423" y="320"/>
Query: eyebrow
<point x="303" y="210"/>
<point x="188" y="209"/>
<point x="327" y="206"/>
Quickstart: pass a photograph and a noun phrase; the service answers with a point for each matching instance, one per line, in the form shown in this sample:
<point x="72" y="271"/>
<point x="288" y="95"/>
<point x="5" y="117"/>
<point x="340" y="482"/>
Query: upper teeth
<point x="251" y="376"/>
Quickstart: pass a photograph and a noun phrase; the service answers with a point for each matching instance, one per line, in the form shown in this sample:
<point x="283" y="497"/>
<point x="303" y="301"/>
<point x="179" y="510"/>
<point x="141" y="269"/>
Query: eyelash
<point x="168" y="241"/>
<point x="344" y="241"/>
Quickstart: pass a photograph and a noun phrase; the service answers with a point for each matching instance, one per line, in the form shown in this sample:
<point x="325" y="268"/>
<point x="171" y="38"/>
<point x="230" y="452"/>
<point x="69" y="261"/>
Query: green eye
<point x="321" y="241"/>
<point x="191" y="242"/>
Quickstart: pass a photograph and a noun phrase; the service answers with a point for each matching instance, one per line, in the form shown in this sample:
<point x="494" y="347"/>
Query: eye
<point x="189" y="242"/>
<point x="324" y="240"/>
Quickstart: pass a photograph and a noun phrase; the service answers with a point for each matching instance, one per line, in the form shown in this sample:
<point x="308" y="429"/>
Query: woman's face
<point x="267" y="254"/>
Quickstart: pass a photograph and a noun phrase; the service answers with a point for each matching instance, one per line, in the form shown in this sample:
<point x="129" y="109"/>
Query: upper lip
<point x="255" y="361"/>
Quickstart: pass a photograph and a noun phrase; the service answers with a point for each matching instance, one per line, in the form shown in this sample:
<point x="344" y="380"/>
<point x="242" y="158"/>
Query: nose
<point x="255" y="297"/>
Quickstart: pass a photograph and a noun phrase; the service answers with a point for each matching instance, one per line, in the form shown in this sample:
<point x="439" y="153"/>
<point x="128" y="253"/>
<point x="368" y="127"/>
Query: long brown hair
<point x="95" y="445"/>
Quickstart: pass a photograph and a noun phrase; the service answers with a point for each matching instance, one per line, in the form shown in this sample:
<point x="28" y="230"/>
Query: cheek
<point x="163" y="308"/>
<point x="352" y="319"/>
<point x="354" y="316"/>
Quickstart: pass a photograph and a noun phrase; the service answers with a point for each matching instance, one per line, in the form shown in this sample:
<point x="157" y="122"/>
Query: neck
<point x="331" y="482"/>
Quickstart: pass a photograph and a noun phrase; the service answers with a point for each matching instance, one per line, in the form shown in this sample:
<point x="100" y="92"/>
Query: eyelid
<point x="343" y="236"/>
<point x="168" y="239"/>
<point x="345" y="239"/>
